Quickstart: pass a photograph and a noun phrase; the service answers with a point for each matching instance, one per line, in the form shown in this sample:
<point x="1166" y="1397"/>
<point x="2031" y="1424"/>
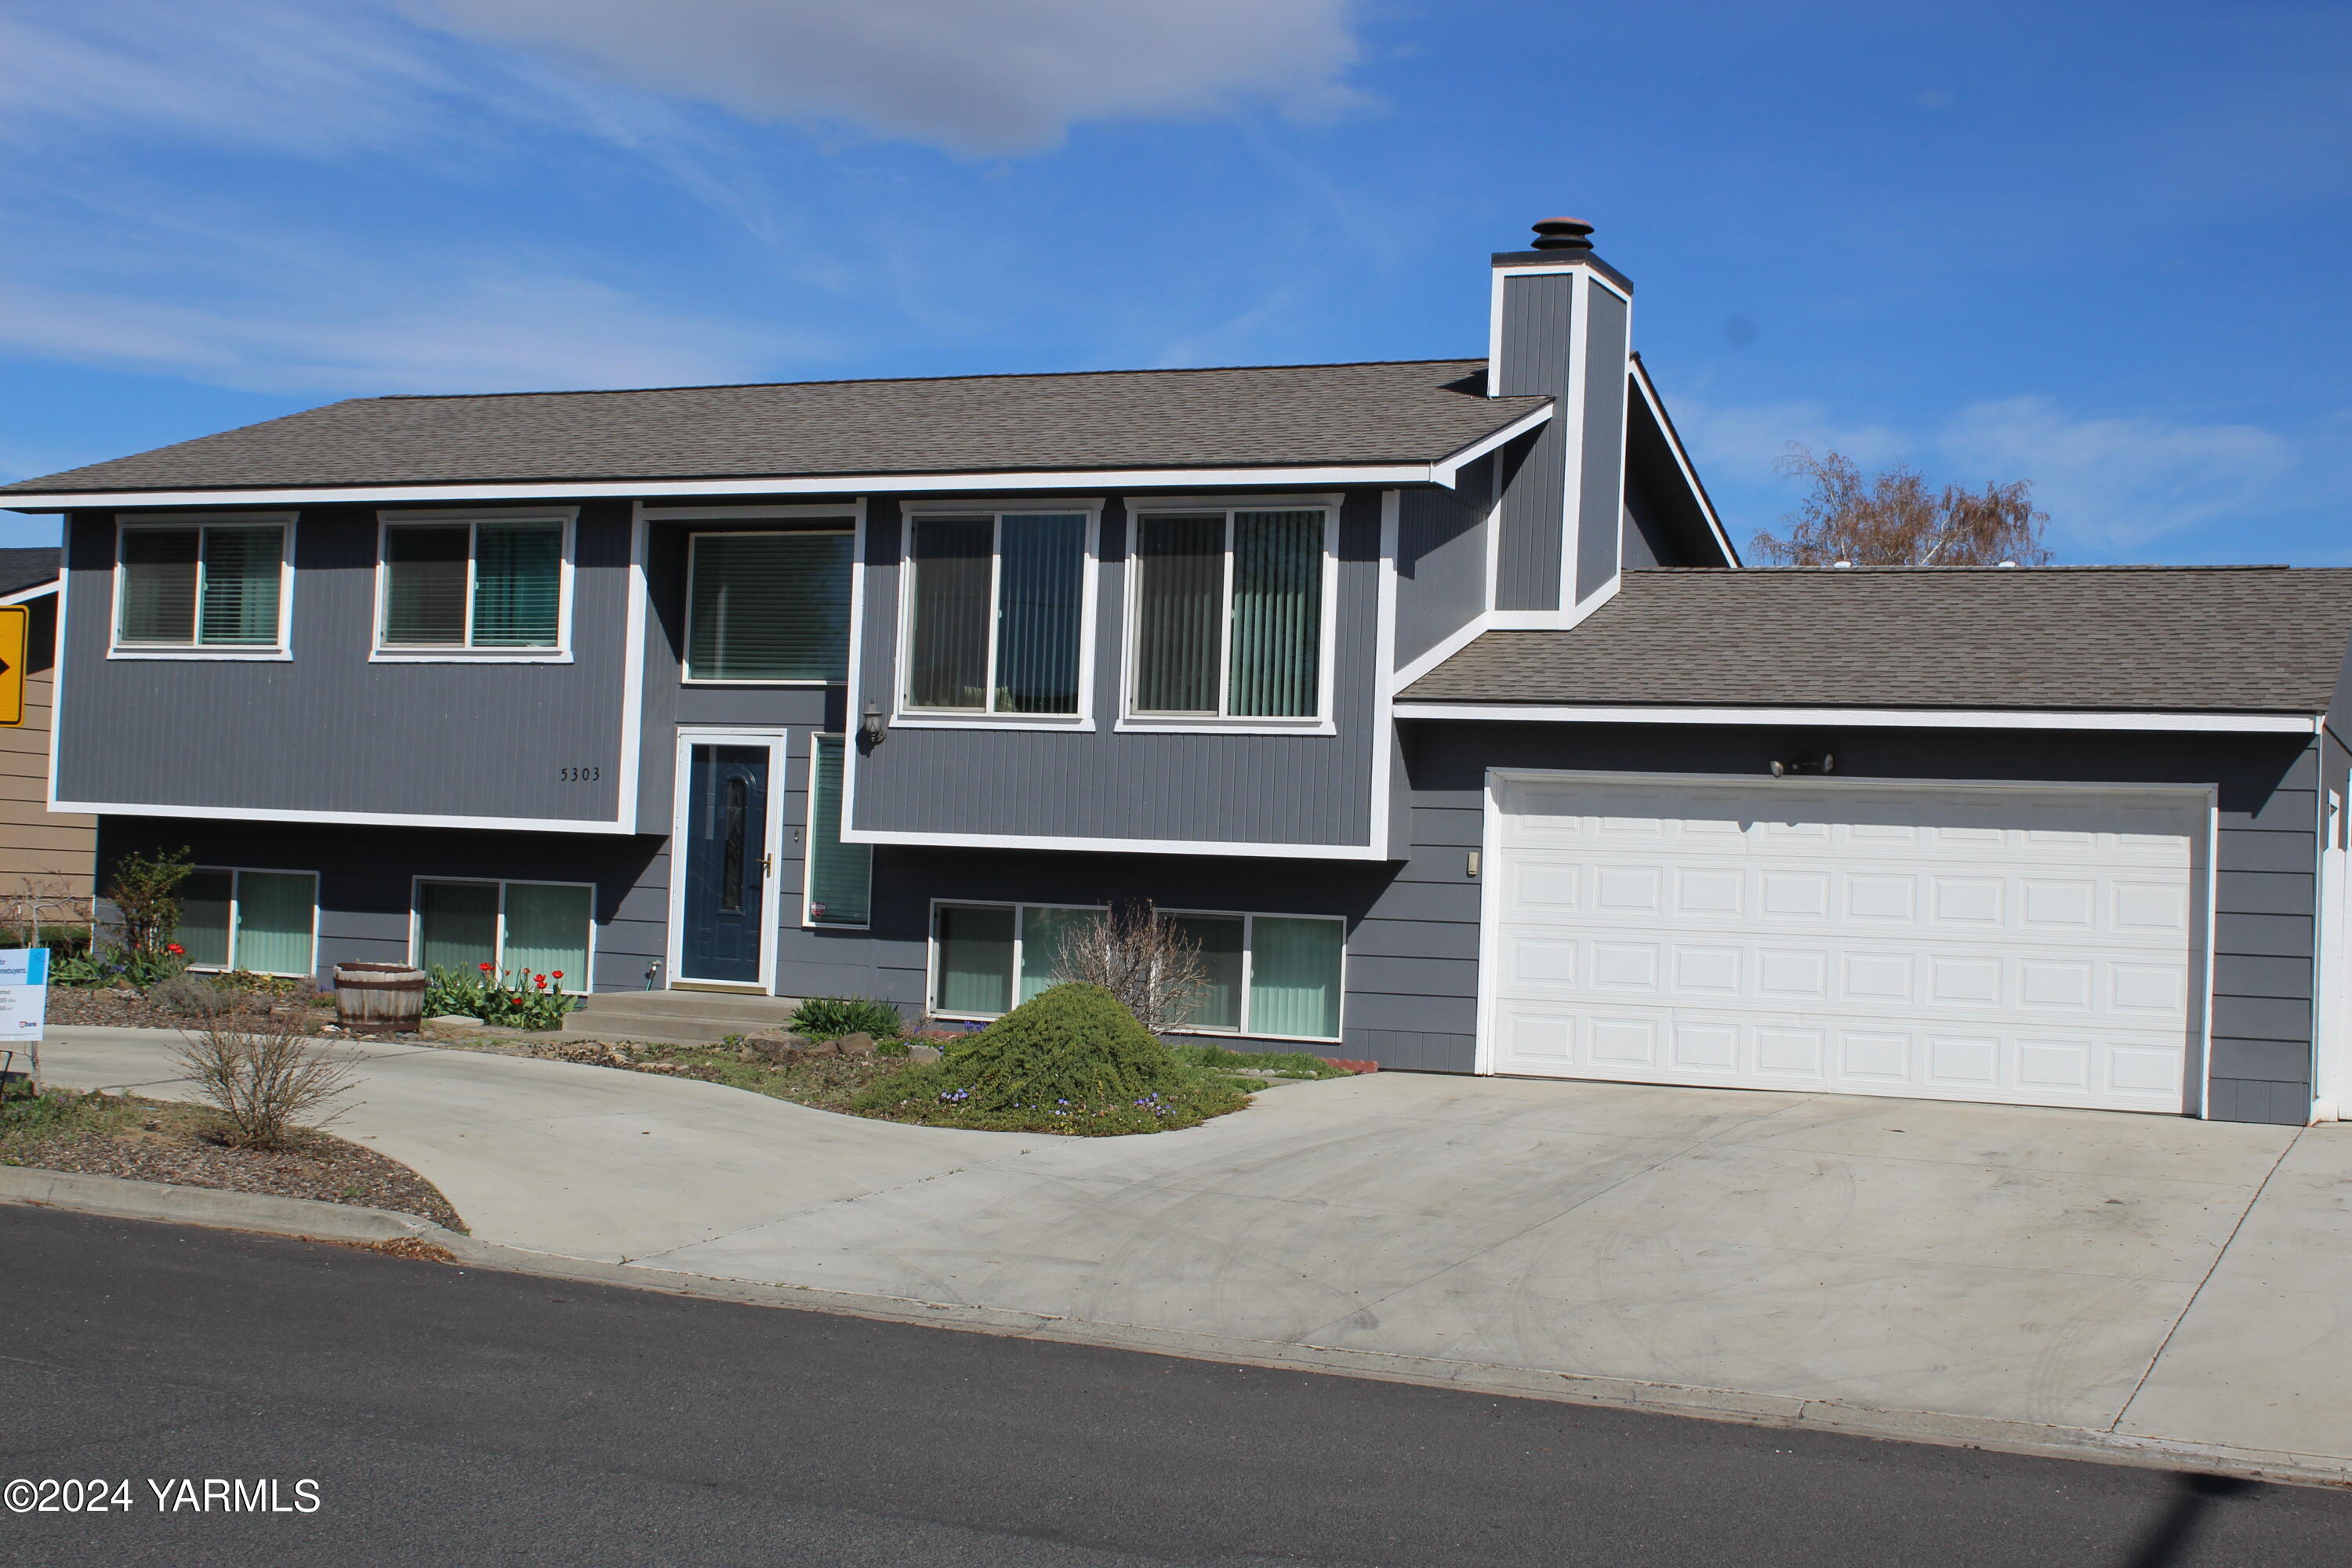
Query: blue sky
<point x="2099" y="247"/>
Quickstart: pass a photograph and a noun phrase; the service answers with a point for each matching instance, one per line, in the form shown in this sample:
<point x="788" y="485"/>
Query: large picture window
<point x="1228" y="615"/>
<point x="263" y="922"/>
<point x="521" y="930"/>
<point x="486" y="585"/>
<point x="1269" y="976"/>
<point x="211" y="585"/>
<point x="840" y="877"/>
<point x="769" y="607"/>
<point x="995" y="614"/>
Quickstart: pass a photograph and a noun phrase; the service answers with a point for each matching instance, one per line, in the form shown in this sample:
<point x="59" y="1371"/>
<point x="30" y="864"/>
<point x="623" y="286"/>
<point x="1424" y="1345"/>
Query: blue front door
<point x="726" y="863"/>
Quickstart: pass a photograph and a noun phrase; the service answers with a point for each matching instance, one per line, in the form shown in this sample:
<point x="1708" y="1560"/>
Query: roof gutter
<point x="1443" y="472"/>
<point x="1878" y="718"/>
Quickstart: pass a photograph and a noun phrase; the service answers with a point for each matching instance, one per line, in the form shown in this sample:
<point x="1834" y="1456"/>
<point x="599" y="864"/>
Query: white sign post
<point x="25" y="999"/>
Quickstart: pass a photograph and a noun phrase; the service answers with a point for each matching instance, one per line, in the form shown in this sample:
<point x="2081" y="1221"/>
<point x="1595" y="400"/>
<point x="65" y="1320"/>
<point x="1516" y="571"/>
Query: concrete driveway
<point x="2134" y="1275"/>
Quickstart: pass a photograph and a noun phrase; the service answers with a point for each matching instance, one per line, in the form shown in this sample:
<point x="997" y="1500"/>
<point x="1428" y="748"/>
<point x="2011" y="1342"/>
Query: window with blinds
<point x="259" y="921"/>
<point x="524" y="932"/>
<point x="840" y="876"/>
<point x="996" y="610"/>
<point x="488" y="585"/>
<point x="768" y="607"/>
<point x="1229" y="615"/>
<point x="209" y="586"/>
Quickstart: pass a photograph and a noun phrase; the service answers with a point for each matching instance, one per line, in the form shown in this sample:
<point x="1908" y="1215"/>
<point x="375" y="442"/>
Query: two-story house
<point x="1430" y="696"/>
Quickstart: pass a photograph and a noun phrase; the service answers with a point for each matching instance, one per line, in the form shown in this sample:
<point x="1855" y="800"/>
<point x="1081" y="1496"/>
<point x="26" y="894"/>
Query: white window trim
<point x="236" y="899"/>
<point x="693" y="550"/>
<point x="279" y="652"/>
<point x="808" y="841"/>
<point x="499" y="948"/>
<point x="380" y="651"/>
<point x="931" y="947"/>
<point x="1130" y="720"/>
<point x="1249" y="919"/>
<point x="689" y="736"/>
<point x="997" y="510"/>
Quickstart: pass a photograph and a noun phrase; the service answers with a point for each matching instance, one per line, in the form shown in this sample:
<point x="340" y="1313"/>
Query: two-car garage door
<point x="2032" y="946"/>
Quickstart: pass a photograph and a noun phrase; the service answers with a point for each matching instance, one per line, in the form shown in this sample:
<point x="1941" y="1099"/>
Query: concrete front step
<point x="686" y="1017"/>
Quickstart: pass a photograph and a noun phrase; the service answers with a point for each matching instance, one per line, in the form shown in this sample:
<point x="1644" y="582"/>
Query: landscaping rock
<point x="455" y="1021"/>
<point x="779" y="1049"/>
<point x="858" y="1045"/>
<point x="920" y="1056"/>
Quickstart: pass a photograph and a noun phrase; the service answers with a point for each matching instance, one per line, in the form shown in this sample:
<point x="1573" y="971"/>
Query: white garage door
<point x="2042" y="947"/>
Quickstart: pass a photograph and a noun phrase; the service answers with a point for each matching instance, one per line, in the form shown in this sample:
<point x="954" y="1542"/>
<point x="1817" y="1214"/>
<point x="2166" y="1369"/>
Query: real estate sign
<point x="24" y="992"/>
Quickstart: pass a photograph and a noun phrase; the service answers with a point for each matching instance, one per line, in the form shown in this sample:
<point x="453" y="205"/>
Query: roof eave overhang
<point x="2145" y="721"/>
<point x="1442" y="472"/>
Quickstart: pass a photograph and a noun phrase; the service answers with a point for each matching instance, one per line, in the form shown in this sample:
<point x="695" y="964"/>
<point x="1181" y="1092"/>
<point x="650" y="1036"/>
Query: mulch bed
<point x="177" y="1144"/>
<point x="104" y="1007"/>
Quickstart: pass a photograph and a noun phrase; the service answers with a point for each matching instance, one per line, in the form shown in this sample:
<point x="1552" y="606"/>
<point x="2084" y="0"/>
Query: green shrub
<point x="104" y="968"/>
<point x="1072" y="1060"/>
<point x="1289" y="1064"/>
<point x="830" y="1017"/>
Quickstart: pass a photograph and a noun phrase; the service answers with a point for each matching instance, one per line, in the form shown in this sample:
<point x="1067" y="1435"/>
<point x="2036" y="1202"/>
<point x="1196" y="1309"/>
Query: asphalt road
<point x="455" y="1415"/>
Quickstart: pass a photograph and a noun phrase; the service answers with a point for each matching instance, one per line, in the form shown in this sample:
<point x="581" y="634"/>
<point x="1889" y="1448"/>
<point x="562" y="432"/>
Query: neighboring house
<point x="1426" y="695"/>
<point x="46" y="857"/>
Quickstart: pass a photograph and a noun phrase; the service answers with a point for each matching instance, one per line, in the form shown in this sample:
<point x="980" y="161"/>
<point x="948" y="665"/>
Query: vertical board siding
<point x="1537" y="313"/>
<point x="1601" y="505"/>
<point x="1441" y="560"/>
<point x="1102" y="783"/>
<point x="329" y="730"/>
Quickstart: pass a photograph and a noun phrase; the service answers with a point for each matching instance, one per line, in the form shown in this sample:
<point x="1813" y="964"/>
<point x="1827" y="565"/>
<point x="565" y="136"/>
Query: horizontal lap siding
<point x="42" y="852"/>
<point x="2265" y="856"/>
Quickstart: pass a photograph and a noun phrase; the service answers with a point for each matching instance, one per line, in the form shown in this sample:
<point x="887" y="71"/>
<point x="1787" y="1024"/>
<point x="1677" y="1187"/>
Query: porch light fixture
<point x="870" y="726"/>
<point x="1805" y="762"/>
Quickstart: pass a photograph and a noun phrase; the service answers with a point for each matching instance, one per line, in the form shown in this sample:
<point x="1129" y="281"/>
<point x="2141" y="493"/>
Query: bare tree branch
<point x="1892" y="520"/>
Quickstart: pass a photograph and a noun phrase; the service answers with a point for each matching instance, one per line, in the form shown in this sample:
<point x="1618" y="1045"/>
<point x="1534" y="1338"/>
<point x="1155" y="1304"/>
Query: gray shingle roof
<point x="27" y="568"/>
<point x="2192" y="640"/>
<point x="1257" y="416"/>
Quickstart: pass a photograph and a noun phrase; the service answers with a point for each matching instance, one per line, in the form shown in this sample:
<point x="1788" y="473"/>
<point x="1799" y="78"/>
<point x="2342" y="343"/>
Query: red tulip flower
<point x="486" y="969"/>
<point x="558" y="974"/>
<point x="174" y="949"/>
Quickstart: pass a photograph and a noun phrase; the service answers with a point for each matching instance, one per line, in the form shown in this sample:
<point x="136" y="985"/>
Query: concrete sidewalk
<point x="2122" y="1276"/>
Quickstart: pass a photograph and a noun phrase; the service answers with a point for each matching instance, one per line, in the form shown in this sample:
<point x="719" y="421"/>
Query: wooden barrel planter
<point x="379" y="998"/>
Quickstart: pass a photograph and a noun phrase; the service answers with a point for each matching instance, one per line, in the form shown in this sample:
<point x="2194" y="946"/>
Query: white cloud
<point x="975" y="75"/>
<point x="484" y="333"/>
<point x="1745" y="442"/>
<point x="2116" y="480"/>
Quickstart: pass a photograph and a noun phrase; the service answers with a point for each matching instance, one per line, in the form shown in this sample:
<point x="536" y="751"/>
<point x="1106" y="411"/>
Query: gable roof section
<point x="2148" y="638"/>
<point x="27" y="568"/>
<point x="1259" y="416"/>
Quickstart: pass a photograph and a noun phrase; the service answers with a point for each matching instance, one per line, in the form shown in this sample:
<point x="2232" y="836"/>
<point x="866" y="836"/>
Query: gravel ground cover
<point x="155" y="1141"/>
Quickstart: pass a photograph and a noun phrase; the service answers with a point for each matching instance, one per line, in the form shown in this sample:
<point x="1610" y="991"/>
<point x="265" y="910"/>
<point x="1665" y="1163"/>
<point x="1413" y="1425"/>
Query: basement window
<point x="265" y="922"/>
<point x="521" y="930"/>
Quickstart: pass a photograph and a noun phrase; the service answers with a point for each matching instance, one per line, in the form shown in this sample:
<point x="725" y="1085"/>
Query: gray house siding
<point x="2265" y="859"/>
<point x="1442" y="559"/>
<point x="328" y="730"/>
<point x="1600" y="503"/>
<point x="1537" y="318"/>
<point x="1064" y="783"/>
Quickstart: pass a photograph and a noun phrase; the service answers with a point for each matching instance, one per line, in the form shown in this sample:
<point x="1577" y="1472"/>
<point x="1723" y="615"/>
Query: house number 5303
<point x="581" y="775"/>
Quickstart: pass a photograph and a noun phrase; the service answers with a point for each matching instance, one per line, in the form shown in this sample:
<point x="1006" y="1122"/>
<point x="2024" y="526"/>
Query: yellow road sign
<point x="15" y="622"/>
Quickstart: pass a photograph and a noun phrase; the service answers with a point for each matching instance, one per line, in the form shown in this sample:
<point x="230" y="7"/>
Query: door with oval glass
<point x="726" y="917"/>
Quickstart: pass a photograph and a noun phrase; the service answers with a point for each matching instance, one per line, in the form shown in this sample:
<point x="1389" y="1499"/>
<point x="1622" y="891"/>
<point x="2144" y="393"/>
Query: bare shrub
<point x="259" y="1070"/>
<point x="1141" y="957"/>
<point x="192" y="998"/>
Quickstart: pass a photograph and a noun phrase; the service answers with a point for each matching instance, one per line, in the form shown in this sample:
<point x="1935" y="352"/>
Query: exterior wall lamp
<point x="869" y="726"/>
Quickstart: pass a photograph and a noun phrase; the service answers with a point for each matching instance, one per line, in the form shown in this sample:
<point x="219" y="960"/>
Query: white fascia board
<point x="821" y="484"/>
<point x="353" y="818"/>
<point x="1191" y="846"/>
<point x="26" y="596"/>
<point x="1446" y="471"/>
<point x="1875" y="718"/>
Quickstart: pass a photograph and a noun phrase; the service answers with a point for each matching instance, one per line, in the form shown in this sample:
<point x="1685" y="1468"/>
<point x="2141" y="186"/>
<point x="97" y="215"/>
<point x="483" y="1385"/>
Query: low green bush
<point x="107" y="966"/>
<point x="830" y="1017"/>
<point x="1071" y="1059"/>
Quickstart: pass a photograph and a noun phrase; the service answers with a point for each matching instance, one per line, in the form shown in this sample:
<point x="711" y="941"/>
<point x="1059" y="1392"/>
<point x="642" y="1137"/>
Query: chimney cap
<point x="1562" y="234"/>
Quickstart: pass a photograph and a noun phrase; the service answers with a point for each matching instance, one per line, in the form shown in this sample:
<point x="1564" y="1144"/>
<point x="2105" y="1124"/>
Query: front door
<point x="726" y="863"/>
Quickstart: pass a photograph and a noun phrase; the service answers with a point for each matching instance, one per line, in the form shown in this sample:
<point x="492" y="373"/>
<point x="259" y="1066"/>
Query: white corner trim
<point x="1872" y="718"/>
<point x="1450" y="470"/>
<point x="841" y="484"/>
<point x="1503" y="621"/>
<point x="626" y="806"/>
<point x="356" y="818"/>
<point x="1192" y="847"/>
<point x="1378" y="831"/>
